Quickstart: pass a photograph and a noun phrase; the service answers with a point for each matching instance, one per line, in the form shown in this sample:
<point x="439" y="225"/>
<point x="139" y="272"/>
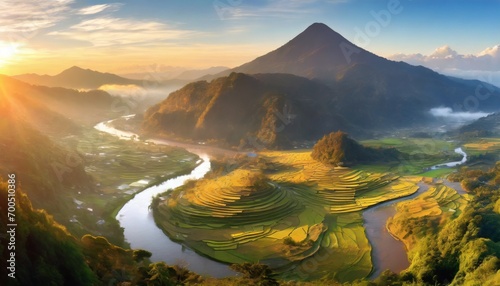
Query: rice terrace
<point x="259" y="143"/>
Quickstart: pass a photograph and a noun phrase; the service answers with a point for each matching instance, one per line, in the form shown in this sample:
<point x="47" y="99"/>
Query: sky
<point x="130" y="36"/>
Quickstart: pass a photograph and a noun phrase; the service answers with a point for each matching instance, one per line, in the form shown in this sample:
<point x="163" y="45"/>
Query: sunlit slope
<point x="87" y="107"/>
<point x="433" y="206"/>
<point x="282" y="208"/>
<point x="46" y="170"/>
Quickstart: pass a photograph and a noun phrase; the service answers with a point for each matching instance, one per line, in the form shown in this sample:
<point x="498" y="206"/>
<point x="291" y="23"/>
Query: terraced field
<point x="284" y="209"/>
<point x="483" y="145"/>
<point x="119" y="169"/>
<point x="437" y="203"/>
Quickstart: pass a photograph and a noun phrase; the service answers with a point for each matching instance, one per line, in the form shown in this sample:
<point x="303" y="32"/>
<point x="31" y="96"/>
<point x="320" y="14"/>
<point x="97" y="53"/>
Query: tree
<point x="338" y="149"/>
<point x="256" y="273"/>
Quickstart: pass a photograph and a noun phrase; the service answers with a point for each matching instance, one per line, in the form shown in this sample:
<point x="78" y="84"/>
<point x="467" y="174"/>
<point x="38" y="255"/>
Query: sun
<point x="7" y="52"/>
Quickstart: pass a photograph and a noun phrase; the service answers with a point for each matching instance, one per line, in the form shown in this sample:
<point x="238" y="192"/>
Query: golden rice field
<point x="484" y="144"/>
<point x="439" y="202"/>
<point x="293" y="211"/>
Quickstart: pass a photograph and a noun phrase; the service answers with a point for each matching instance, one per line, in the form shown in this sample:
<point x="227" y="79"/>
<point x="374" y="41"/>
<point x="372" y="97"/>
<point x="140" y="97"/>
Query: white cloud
<point x="484" y="66"/>
<point x="21" y="20"/>
<point x="444" y="52"/>
<point x="108" y="31"/>
<point x="448" y="113"/>
<point x="447" y="58"/>
<point x="95" y="9"/>
<point x="493" y="52"/>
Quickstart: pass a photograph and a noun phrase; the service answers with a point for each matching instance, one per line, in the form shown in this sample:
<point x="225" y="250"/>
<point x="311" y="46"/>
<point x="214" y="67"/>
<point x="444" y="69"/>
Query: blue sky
<point x="47" y="36"/>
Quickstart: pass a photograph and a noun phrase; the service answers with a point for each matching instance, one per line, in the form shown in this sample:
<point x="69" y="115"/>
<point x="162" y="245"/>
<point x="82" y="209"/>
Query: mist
<point x="448" y="114"/>
<point x="139" y="92"/>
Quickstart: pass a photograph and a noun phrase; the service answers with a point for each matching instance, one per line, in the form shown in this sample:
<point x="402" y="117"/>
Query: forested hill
<point x="365" y="92"/>
<point x="270" y="110"/>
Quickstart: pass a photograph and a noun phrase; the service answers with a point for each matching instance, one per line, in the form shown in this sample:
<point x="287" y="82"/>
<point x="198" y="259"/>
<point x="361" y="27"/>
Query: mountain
<point x="264" y="109"/>
<point x="366" y="92"/>
<point x="482" y="127"/>
<point x="78" y="78"/>
<point x="374" y="92"/>
<point x="316" y="53"/>
<point x="175" y="74"/>
<point x="195" y="74"/>
<point x="81" y="107"/>
<point x="47" y="171"/>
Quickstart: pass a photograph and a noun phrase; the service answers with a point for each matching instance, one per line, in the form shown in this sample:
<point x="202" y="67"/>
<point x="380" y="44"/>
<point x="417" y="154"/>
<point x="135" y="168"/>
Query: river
<point x="387" y="251"/>
<point x="138" y="224"/>
<point x="141" y="231"/>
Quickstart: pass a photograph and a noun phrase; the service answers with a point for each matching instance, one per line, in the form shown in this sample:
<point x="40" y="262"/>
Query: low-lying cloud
<point x="138" y="92"/>
<point x="448" y="114"/>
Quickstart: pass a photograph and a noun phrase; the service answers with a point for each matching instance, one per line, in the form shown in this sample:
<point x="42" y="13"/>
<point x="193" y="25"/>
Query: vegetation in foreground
<point x="460" y="247"/>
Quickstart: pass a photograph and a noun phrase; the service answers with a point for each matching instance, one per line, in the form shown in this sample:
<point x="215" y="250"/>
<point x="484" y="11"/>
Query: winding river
<point x="141" y="231"/>
<point x="387" y="251"/>
<point x="138" y="224"/>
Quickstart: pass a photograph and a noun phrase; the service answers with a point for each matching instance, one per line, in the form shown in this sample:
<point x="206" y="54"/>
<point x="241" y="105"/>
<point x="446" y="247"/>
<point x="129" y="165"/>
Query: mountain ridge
<point x="77" y="78"/>
<point x="367" y="91"/>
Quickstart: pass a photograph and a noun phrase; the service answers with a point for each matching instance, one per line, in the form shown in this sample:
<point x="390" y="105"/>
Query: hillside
<point x="83" y="107"/>
<point x="47" y="170"/>
<point x="77" y="78"/>
<point x="372" y="92"/>
<point x="265" y="109"/>
<point x="44" y="250"/>
<point x="485" y="126"/>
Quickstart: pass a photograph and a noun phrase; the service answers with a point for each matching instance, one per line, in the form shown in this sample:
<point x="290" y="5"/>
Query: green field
<point x="119" y="169"/>
<point x="421" y="153"/>
<point x="283" y="209"/>
<point x="436" y="204"/>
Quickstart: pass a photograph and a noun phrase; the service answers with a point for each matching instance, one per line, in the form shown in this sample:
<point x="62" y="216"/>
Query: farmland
<point x="483" y="145"/>
<point x="283" y="209"/>
<point x="119" y="169"/>
<point x="435" y="205"/>
<point x="421" y="153"/>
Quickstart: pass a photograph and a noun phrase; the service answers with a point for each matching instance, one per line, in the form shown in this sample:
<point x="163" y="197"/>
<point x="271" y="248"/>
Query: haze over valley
<point x="237" y="143"/>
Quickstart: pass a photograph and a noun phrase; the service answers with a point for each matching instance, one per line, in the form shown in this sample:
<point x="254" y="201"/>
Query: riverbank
<point x="388" y="249"/>
<point x="138" y="224"/>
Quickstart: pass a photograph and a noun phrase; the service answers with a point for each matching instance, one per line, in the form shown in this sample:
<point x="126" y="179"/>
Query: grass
<point x="284" y="209"/>
<point x="422" y="153"/>
<point x="438" y="203"/>
<point x="114" y="166"/>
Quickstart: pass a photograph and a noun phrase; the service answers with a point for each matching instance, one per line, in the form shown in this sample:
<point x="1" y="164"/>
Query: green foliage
<point x="338" y="149"/>
<point x="466" y="250"/>
<point x="45" y="251"/>
<point x="255" y="274"/>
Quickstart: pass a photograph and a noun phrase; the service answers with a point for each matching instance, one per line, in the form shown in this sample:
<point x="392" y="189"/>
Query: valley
<point x="297" y="157"/>
<point x="317" y="212"/>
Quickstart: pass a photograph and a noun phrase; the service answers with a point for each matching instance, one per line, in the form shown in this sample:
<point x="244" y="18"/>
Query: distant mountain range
<point x="77" y="78"/>
<point x="360" y="93"/>
<point x="56" y="107"/>
<point x="176" y="73"/>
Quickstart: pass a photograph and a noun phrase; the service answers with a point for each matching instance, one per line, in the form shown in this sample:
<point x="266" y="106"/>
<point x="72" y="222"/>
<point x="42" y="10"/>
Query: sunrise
<point x="236" y="142"/>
